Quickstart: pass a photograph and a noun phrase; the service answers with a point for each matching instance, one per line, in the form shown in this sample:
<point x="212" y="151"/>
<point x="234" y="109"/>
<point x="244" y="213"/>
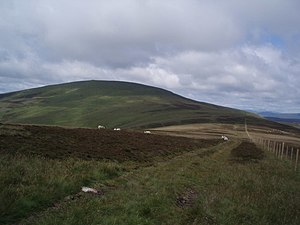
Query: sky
<point x="241" y="54"/>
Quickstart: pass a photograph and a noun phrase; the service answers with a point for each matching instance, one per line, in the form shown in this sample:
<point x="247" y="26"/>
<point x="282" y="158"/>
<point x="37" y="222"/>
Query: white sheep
<point x="224" y="138"/>
<point x="147" y="132"/>
<point x="117" y="128"/>
<point x="101" y="127"/>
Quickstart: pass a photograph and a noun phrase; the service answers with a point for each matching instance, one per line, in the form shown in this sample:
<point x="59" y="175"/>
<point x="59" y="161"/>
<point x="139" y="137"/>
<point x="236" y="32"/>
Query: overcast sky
<point x="243" y="54"/>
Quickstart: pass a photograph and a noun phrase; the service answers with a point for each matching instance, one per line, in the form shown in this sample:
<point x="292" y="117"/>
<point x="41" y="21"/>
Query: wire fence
<point x="282" y="150"/>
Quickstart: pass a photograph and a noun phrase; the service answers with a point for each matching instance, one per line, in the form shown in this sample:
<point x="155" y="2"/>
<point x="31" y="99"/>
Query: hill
<point x="291" y="119"/>
<point x="40" y="165"/>
<point x="288" y="116"/>
<point x="140" y="179"/>
<point x="113" y="104"/>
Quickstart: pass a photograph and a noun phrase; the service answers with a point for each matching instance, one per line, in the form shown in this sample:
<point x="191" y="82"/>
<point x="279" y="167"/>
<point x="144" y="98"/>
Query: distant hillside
<point x="283" y="120"/>
<point x="112" y="104"/>
<point x="287" y="116"/>
<point x="291" y="119"/>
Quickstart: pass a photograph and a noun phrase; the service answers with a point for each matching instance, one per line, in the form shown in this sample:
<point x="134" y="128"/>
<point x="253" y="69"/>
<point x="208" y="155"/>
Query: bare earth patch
<point x="187" y="199"/>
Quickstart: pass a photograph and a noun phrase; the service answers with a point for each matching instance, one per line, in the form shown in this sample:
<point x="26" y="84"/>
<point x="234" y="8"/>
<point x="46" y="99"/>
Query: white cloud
<point x="241" y="77"/>
<point x="239" y="53"/>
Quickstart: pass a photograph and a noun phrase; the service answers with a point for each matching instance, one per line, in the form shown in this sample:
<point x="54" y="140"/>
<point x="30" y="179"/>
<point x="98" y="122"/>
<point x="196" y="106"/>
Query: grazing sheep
<point x="224" y="138"/>
<point x="117" y="128"/>
<point x="101" y="127"/>
<point x="147" y="132"/>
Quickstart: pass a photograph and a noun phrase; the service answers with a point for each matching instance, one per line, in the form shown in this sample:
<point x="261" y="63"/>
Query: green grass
<point x="29" y="184"/>
<point x="41" y="165"/>
<point x="113" y="104"/>
<point x="247" y="152"/>
<point x="266" y="192"/>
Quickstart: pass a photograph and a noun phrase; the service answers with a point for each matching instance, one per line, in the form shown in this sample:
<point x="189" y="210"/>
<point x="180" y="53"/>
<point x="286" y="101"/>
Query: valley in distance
<point x="180" y="172"/>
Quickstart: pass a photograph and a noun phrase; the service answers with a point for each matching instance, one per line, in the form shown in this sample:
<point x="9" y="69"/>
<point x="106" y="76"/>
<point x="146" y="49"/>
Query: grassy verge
<point x="30" y="184"/>
<point x="193" y="188"/>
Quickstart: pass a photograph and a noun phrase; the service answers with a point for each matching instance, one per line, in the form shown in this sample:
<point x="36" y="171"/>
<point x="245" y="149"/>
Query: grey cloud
<point x="253" y="73"/>
<point x="223" y="52"/>
<point x="233" y="81"/>
<point x="119" y="33"/>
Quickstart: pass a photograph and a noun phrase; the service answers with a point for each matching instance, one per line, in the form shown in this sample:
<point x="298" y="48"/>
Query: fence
<point x="281" y="149"/>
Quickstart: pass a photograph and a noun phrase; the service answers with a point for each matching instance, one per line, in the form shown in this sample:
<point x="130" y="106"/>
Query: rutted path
<point x="171" y="174"/>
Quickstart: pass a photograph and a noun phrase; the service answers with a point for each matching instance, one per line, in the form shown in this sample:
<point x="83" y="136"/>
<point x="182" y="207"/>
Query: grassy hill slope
<point x="40" y="165"/>
<point x="111" y="103"/>
<point x="42" y="170"/>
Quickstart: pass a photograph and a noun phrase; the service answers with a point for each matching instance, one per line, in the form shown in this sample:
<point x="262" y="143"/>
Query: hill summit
<point x="112" y="104"/>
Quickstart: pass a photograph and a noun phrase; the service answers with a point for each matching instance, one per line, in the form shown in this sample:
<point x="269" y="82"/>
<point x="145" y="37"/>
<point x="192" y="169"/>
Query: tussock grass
<point x="263" y="193"/>
<point x="29" y="184"/>
<point x="247" y="152"/>
<point x="42" y="165"/>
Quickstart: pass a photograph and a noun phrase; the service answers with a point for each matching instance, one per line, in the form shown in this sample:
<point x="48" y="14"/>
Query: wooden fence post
<point x="282" y="150"/>
<point x="279" y="151"/>
<point x="296" y="162"/>
<point x="292" y="153"/>
<point x="269" y="142"/>
<point x="279" y="155"/>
